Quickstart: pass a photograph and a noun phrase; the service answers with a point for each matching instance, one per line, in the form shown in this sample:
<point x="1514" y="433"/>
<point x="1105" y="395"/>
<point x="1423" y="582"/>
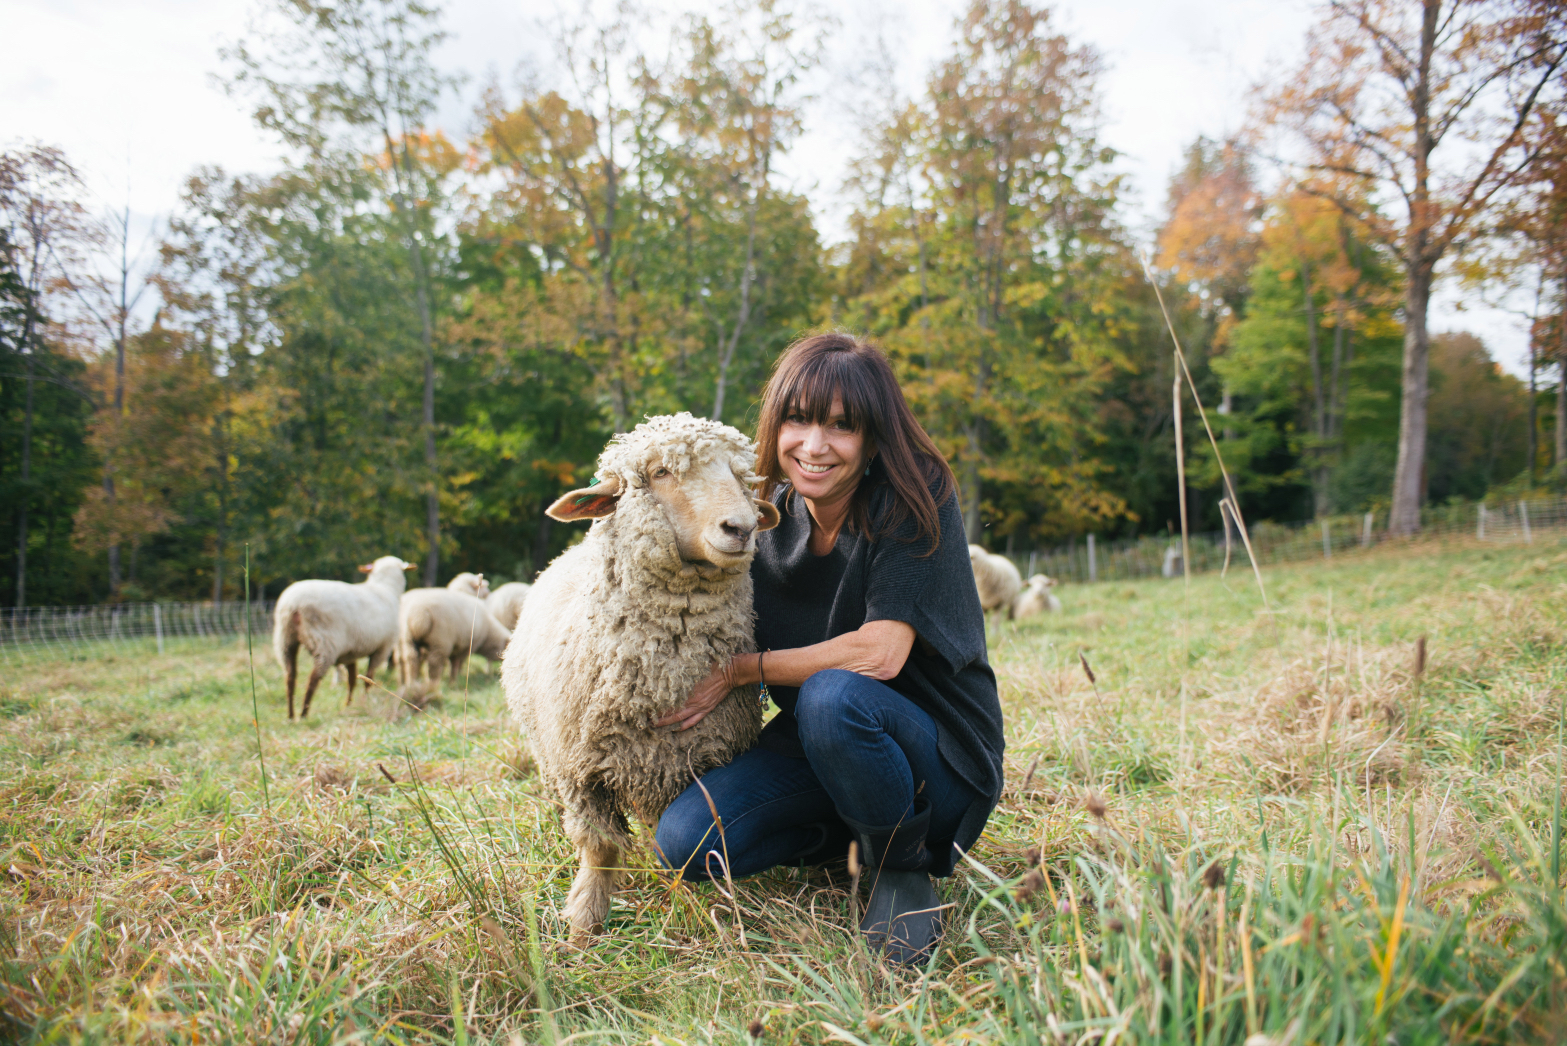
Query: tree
<point x="363" y="66"/>
<point x="1313" y="361"/>
<point x="45" y="235"/>
<point x="988" y="259"/>
<point x="1414" y="111"/>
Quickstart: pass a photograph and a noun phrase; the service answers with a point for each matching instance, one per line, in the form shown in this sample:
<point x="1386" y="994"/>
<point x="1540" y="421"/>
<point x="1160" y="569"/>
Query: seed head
<point x="1095" y="804"/>
<point x="1164" y="964"/>
<point x="1213" y="878"/>
<point x="873" y="1021"/>
<point x="755" y="1029"/>
<point x="1031" y="856"/>
<point x="1115" y="926"/>
<point x="1032" y="883"/>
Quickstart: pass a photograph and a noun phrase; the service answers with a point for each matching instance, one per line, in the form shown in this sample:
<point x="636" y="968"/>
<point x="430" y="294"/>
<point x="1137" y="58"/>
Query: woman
<point x="873" y="647"/>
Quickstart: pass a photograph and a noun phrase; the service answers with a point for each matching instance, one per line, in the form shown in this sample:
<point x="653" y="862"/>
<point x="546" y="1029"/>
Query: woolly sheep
<point x="996" y="578"/>
<point x="621" y="627"/>
<point x="1036" y="598"/>
<point x="506" y="602"/>
<point x="338" y="623"/>
<point x="437" y="627"/>
<point x="473" y="584"/>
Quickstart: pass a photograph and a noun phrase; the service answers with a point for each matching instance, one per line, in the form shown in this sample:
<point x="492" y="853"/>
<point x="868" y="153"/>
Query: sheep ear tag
<point x="593" y="502"/>
<point x="766" y="515"/>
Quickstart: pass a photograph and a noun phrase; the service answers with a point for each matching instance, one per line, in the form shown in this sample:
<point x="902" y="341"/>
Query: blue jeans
<point x="868" y="750"/>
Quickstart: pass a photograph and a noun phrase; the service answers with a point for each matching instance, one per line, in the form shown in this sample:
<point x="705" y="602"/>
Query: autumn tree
<point x="987" y="257"/>
<point x="1414" y="112"/>
<point x="357" y="76"/>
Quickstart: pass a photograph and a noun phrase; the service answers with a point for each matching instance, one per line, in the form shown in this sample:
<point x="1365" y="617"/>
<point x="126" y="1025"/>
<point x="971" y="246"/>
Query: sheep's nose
<point x="737" y="528"/>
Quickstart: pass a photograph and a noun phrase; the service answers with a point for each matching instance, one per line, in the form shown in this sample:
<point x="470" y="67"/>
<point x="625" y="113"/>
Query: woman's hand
<point x="713" y="688"/>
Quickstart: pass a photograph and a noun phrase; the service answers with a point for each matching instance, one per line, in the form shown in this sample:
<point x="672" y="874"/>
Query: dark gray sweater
<point x="803" y="599"/>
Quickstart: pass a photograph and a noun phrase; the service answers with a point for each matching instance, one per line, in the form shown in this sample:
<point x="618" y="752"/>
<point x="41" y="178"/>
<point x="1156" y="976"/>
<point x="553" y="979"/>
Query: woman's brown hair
<point x="805" y="379"/>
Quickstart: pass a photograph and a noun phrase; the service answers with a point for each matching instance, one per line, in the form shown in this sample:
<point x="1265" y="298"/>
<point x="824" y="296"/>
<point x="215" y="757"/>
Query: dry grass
<point x="1223" y="788"/>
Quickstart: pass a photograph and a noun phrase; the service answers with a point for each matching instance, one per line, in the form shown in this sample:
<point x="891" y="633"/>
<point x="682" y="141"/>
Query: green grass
<point x="1247" y="830"/>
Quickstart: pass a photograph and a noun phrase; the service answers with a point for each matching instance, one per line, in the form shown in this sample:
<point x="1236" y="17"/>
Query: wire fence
<point x="82" y="632"/>
<point x="1091" y="560"/>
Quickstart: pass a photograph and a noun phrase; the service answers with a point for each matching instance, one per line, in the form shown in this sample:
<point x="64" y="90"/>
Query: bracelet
<point x="763" y="696"/>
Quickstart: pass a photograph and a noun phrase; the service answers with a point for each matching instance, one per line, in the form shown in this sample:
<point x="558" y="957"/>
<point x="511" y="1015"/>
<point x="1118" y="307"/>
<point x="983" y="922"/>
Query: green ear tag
<point x="588" y="497"/>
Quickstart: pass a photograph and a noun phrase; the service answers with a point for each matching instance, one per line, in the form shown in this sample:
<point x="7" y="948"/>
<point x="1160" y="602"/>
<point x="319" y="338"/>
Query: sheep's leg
<point x="599" y="831"/>
<point x="435" y="662"/>
<point x="353" y="673"/>
<point x="290" y="671"/>
<point x="458" y="660"/>
<point x="316" y="672"/>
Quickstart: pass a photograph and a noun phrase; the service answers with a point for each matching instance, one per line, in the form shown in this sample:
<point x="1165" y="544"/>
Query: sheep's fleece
<point x="615" y="634"/>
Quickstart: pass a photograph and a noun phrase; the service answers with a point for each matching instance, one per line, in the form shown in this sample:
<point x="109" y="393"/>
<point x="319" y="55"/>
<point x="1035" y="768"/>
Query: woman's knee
<point x="684" y="833"/>
<point x="830" y="702"/>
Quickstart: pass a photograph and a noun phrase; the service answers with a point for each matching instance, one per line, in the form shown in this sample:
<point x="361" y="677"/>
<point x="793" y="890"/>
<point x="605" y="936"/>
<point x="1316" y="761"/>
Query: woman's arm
<point x="877" y="649"/>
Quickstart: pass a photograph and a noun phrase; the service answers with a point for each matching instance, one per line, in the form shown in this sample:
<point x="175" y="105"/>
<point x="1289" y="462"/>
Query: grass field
<point x="1245" y="828"/>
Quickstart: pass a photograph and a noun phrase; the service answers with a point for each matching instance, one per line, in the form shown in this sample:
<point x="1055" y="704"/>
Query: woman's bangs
<point x="818" y="381"/>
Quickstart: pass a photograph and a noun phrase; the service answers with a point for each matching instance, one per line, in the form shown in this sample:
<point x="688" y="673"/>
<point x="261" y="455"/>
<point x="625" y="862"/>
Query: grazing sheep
<point x="338" y="623"/>
<point x="473" y="584"/>
<point x="506" y="602"/>
<point x="1036" y="598"/>
<point x="439" y="626"/>
<point x="996" y="578"/>
<point x="620" y="628"/>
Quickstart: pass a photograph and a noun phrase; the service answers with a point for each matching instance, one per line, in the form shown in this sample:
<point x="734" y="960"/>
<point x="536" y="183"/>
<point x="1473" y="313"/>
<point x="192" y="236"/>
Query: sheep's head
<point x="698" y="474"/>
<point x="1040" y="581"/>
<point x="470" y="584"/>
<point x="386" y="568"/>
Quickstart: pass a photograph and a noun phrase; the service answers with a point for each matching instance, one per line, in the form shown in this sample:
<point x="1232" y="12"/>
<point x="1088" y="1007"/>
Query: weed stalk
<point x="255" y="708"/>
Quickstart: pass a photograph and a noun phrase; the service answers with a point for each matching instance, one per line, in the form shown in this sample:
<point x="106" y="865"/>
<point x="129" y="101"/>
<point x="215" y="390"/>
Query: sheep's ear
<point x="593" y="502"/>
<point x="766" y="515"/>
<point x="366" y="568"/>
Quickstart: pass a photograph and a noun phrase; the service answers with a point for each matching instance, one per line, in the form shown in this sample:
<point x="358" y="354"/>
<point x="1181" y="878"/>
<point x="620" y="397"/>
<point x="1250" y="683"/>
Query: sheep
<point x="440" y="626"/>
<point x="620" y="628"/>
<point x="473" y="584"/>
<point x="338" y="623"/>
<point x="505" y="603"/>
<point x="1036" y="598"/>
<point x="996" y="578"/>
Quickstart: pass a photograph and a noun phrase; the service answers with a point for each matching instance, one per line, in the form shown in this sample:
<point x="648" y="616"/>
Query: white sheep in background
<point x="996" y="578"/>
<point x="437" y="627"/>
<point x="1036" y="598"/>
<point x="506" y="602"/>
<point x="473" y="584"/>
<point x="620" y="628"/>
<point x="338" y="623"/>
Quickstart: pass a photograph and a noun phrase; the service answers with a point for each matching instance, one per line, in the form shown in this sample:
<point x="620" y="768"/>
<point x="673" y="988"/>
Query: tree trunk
<point x="1319" y="416"/>
<point x="1561" y="390"/>
<point x="26" y="492"/>
<point x="541" y="540"/>
<point x="744" y="314"/>
<point x="1534" y="419"/>
<point x="1407" y="492"/>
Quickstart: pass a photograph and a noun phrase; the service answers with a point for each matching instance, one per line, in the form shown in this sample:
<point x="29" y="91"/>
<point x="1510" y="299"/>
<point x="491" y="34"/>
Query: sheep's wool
<point x="618" y="631"/>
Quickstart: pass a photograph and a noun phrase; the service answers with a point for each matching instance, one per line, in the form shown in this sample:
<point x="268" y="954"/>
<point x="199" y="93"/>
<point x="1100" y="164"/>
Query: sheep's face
<point x="696" y="473"/>
<point x="714" y="516"/>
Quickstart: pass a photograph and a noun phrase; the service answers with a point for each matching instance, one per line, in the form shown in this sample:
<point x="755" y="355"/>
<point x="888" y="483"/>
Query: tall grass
<point x="1208" y="837"/>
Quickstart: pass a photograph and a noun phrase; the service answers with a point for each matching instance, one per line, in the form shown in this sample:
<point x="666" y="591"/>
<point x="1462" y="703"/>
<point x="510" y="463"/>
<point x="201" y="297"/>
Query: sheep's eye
<point x="660" y="473"/>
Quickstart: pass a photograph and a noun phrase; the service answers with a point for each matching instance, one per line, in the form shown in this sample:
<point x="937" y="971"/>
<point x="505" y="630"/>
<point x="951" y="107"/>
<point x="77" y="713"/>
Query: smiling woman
<point x="889" y="730"/>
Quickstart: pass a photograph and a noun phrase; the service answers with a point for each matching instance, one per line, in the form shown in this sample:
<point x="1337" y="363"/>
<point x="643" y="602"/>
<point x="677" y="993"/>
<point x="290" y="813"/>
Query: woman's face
<point x="824" y="462"/>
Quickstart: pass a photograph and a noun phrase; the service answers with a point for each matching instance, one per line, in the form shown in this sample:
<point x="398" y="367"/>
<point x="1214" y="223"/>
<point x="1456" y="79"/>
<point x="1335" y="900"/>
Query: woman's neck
<point x="827" y="519"/>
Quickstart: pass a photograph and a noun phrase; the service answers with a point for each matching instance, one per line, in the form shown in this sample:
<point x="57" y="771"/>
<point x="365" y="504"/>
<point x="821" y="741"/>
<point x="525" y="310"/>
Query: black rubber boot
<point x="903" y="917"/>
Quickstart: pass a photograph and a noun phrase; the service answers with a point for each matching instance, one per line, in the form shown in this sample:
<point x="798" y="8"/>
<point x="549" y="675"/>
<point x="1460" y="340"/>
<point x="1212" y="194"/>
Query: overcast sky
<point x="127" y="89"/>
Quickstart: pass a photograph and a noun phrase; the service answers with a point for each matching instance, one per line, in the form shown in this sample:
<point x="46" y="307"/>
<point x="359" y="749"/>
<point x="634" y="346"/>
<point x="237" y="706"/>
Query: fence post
<point x="1480" y="527"/>
<point x="157" y="625"/>
<point x="1033" y="556"/>
<point x="1365" y="533"/>
<point x="1093" y="562"/>
<point x="1327" y="540"/>
<point x="1523" y="517"/>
